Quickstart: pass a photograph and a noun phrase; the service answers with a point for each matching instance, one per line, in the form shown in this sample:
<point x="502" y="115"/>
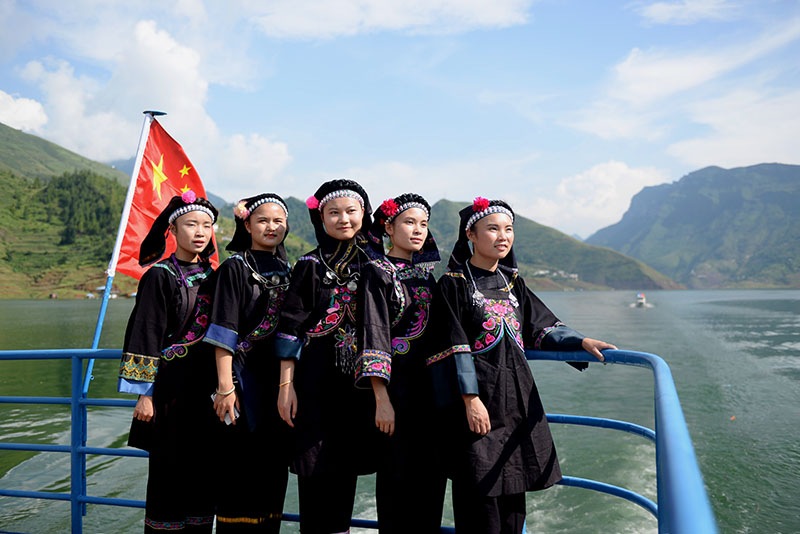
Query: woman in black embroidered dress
<point x="485" y="318"/>
<point x="335" y="438"/>
<point x="395" y="299"/>
<point x="163" y="363"/>
<point x="250" y="289"/>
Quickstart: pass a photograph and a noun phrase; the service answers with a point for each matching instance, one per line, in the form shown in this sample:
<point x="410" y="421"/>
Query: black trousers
<point x="250" y="480"/>
<point x="410" y="501"/>
<point x="477" y="514"/>
<point x="178" y="496"/>
<point x="326" y="502"/>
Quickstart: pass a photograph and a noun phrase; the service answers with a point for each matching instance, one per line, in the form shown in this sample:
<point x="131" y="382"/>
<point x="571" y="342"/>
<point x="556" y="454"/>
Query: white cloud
<point x="22" y="113"/>
<point x="584" y="203"/>
<point x="688" y="11"/>
<point x="100" y="119"/>
<point x="330" y="18"/>
<point x="247" y="164"/>
<point x="460" y="180"/>
<point x="633" y="103"/>
<point x="580" y="204"/>
<point x="747" y="126"/>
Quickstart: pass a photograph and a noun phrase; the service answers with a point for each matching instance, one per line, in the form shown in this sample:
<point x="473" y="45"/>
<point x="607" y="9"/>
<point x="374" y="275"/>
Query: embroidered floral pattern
<point x="540" y="338"/>
<point x="268" y="324"/>
<point x="374" y="363"/>
<point x="500" y="318"/>
<point x="422" y="299"/>
<point x="196" y="332"/>
<point x="346" y="345"/>
<point x="164" y="525"/>
<point x="341" y="305"/>
<point x="447" y="352"/>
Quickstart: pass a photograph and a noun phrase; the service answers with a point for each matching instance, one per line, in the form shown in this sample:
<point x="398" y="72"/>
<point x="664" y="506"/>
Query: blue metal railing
<point x="683" y="503"/>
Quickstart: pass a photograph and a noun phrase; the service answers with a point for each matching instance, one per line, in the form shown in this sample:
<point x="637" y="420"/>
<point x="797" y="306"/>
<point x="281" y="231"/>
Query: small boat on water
<point x="640" y="302"/>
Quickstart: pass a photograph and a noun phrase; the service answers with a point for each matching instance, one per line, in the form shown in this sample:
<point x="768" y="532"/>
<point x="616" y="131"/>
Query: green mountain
<point x="549" y="259"/>
<point x="546" y="257"/>
<point x="717" y="227"/>
<point x="33" y="157"/>
<point x="59" y="214"/>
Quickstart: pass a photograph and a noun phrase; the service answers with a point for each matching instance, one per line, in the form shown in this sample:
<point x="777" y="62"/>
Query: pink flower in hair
<point x="390" y="207"/>
<point x="312" y="202"/>
<point x="241" y="211"/>
<point x="188" y="196"/>
<point x="480" y="204"/>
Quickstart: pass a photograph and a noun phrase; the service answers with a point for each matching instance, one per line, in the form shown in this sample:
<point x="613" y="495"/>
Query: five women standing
<point x="354" y="344"/>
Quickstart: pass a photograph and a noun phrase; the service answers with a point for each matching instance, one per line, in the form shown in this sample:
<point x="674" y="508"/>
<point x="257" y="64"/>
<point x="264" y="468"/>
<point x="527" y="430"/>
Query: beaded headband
<point x="183" y="210"/>
<point x="392" y="210"/>
<point x="488" y="211"/>
<point x="243" y="212"/>
<point x="189" y="197"/>
<point x="340" y="194"/>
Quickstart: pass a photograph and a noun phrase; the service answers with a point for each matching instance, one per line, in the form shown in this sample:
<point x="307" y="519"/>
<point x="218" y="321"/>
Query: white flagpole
<point x="123" y="224"/>
<point x="126" y="208"/>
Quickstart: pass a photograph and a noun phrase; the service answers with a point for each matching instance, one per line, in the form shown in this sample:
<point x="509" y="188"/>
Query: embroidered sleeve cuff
<point x="373" y="363"/>
<point x="465" y="370"/>
<point x="222" y="337"/>
<point x="287" y="347"/>
<point x="138" y="367"/>
<point x="131" y="386"/>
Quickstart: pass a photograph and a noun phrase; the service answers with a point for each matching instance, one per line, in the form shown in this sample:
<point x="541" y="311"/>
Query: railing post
<point x="76" y="487"/>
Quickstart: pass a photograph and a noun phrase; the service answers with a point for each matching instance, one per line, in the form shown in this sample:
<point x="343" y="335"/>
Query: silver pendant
<point x="275" y="279"/>
<point x="513" y="300"/>
<point x="329" y="275"/>
<point x="352" y="285"/>
<point x="477" y="298"/>
<point x="272" y="293"/>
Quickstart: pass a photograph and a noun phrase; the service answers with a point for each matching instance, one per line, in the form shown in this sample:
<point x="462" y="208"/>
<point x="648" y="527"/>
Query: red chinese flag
<point x="165" y="172"/>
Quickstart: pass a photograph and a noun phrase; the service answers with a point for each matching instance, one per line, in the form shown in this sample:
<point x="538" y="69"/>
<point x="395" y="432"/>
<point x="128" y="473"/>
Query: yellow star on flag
<point x="185" y="188"/>
<point x="158" y="176"/>
<point x="185" y="170"/>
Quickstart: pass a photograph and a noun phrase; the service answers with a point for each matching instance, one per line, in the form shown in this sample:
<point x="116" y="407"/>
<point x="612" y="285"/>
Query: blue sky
<point x="565" y="109"/>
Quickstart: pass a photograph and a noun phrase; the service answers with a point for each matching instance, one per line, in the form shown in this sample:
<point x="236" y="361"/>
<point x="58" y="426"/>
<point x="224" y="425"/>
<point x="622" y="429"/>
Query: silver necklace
<point x="479" y="299"/>
<point x="273" y="283"/>
<point x="330" y="276"/>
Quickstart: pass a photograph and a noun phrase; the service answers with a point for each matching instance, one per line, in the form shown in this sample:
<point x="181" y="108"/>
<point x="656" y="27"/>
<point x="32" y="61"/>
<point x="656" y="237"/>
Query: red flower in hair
<point x="390" y="207"/>
<point x="480" y="204"/>
<point x="188" y="196"/>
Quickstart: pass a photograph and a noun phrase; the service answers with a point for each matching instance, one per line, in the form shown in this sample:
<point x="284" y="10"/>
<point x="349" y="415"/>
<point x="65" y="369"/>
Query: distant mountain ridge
<point x="717" y="227"/>
<point x="538" y="249"/>
<point x="33" y="157"/>
<point x="60" y="211"/>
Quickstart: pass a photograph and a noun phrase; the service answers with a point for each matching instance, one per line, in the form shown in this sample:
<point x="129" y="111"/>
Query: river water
<point x="734" y="355"/>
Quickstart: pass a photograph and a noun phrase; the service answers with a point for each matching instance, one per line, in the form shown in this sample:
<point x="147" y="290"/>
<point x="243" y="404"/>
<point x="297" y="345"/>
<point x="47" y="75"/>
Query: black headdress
<point x="387" y="212"/>
<point x="338" y="252"/>
<point x="242" y="239"/>
<point x="479" y="209"/>
<point x="154" y="244"/>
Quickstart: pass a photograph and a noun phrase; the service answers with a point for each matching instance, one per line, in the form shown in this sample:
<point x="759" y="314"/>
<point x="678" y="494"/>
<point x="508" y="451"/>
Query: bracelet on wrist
<point x="284" y="383"/>
<point x="226" y="393"/>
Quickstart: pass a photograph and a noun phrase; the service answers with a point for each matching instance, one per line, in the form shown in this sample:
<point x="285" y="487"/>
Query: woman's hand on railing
<point x="144" y="410"/>
<point x="594" y="346"/>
